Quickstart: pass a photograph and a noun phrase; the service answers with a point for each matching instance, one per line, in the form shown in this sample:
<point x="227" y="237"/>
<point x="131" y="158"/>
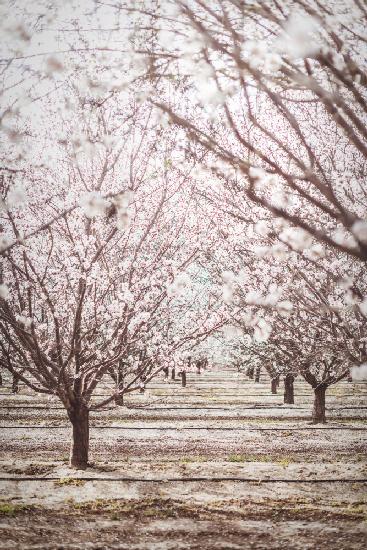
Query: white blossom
<point x="54" y="65"/>
<point x="297" y="238"/>
<point x="359" y="373"/>
<point x="359" y="230"/>
<point x="257" y="173"/>
<point x="231" y="331"/>
<point x="262" y="331"/>
<point x="123" y="207"/>
<point x="272" y="63"/>
<point x="209" y="93"/>
<point x="4" y="292"/>
<point x="5" y="241"/>
<point x="25" y="321"/>
<point x="316" y="251"/>
<point x="227" y="293"/>
<point x="179" y="284"/>
<point x="93" y="204"/>
<point x="262" y="228"/>
<point x="16" y="195"/>
<point x="285" y="306"/>
<point x="363" y="307"/>
<point x="255" y="52"/>
<point x="299" y="37"/>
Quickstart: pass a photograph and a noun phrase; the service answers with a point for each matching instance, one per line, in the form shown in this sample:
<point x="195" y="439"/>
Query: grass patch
<point x="165" y="508"/>
<point x="283" y="461"/>
<point x="250" y="458"/>
<point x="29" y="470"/>
<point x="152" y="508"/>
<point x="8" y="509"/>
<point x="189" y="459"/>
<point x="69" y="481"/>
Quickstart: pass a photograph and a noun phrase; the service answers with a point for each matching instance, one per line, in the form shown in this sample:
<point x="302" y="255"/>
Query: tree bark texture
<point x="79" y="418"/>
<point x="15" y="384"/>
<point x="318" y="413"/>
<point x="289" y="389"/>
<point x="183" y="379"/>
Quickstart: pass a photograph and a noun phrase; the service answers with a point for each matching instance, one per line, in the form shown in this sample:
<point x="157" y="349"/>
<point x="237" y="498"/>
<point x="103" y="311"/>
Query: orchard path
<point x="221" y="463"/>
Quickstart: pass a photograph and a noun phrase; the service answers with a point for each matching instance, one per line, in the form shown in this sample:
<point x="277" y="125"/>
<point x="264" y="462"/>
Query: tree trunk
<point x="278" y="381"/>
<point x="15" y="384"/>
<point x="318" y="413"/>
<point x="119" y="400"/>
<point x="79" y="418"/>
<point x="120" y="379"/>
<point x="183" y="378"/>
<point x="257" y="375"/>
<point x="166" y="372"/>
<point x="173" y="374"/>
<point x="289" y="389"/>
<point x="250" y="372"/>
<point x="1" y="380"/>
<point x="274" y="385"/>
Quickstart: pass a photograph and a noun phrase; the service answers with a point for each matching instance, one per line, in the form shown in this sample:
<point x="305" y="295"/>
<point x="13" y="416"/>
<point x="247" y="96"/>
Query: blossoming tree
<point x="97" y="293"/>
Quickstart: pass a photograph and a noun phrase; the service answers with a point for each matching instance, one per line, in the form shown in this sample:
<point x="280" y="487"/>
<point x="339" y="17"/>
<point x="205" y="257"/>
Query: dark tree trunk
<point x="198" y="370"/>
<point x="173" y="374"/>
<point x="119" y="379"/>
<point x="257" y="375"/>
<point x="250" y="372"/>
<point x="15" y="384"/>
<point x="289" y="389"/>
<point x="318" y="413"/>
<point x="119" y="400"/>
<point x="278" y="381"/>
<point x="274" y="385"/>
<point x="183" y="378"/>
<point x="1" y="380"/>
<point x="166" y="372"/>
<point x="79" y="418"/>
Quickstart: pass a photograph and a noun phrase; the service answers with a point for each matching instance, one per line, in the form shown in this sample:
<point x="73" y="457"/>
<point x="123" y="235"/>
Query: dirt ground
<point x="221" y="464"/>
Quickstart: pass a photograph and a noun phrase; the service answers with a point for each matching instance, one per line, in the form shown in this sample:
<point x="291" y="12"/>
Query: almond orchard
<point x="183" y="282"/>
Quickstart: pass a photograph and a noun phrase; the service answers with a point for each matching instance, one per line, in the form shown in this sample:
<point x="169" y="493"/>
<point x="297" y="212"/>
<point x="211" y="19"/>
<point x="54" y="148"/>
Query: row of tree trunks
<point x="319" y="406"/>
<point x="79" y="417"/>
